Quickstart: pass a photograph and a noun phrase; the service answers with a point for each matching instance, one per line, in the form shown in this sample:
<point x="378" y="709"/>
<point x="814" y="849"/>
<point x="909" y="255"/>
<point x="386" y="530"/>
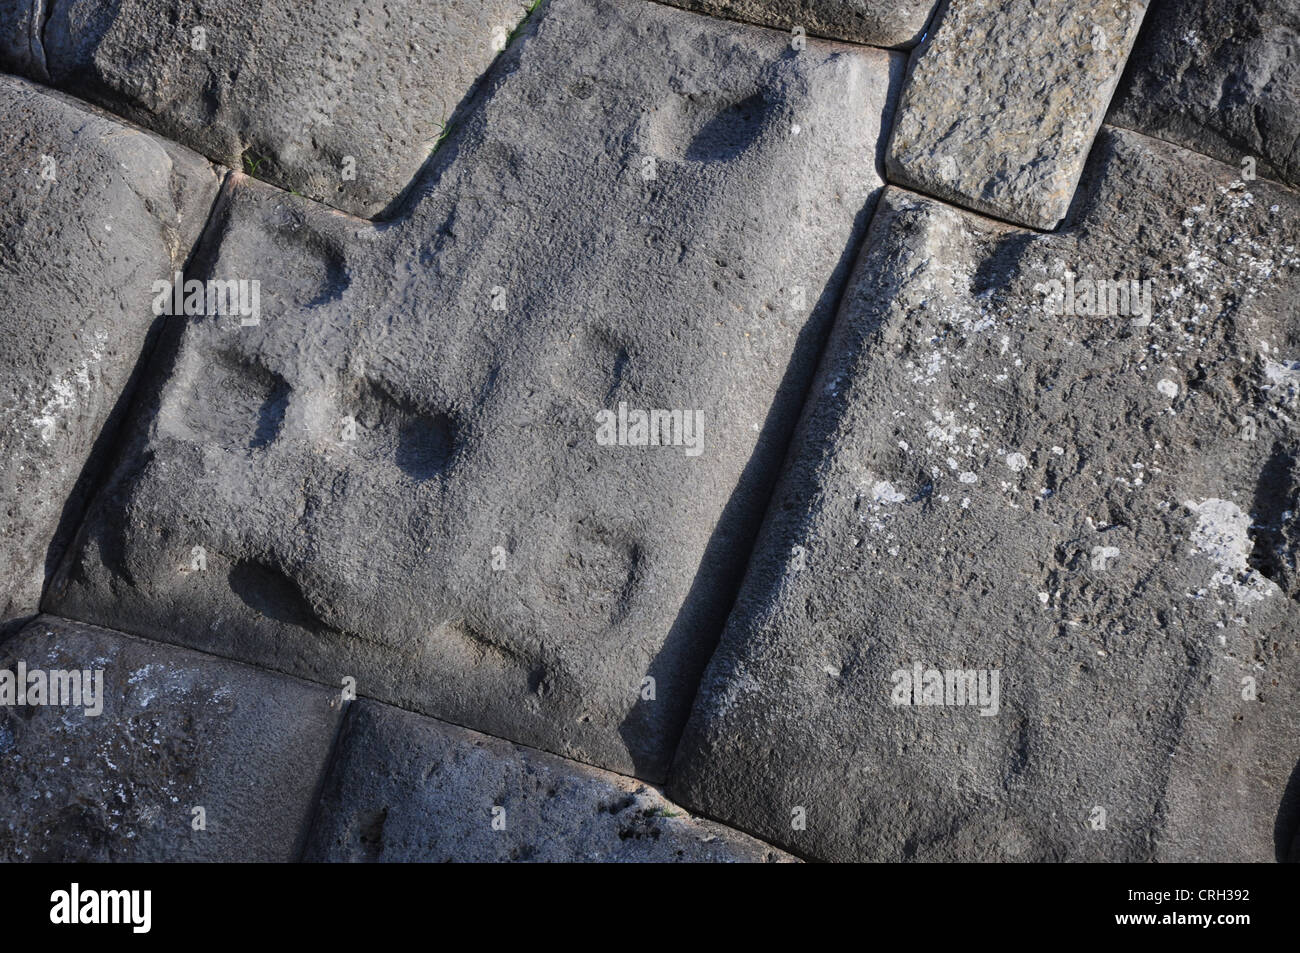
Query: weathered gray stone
<point x="287" y="90"/>
<point x="178" y="730"/>
<point x="406" y="788"/>
<point x="1221" y="77"/>
<point x="1087" y="504"/>
<point x="894" y="23"/>
<point x="1003" y="101"/>
<point x="651" y="208"/>
<point x="20" y="38"/>
<point x="91" y="213"/>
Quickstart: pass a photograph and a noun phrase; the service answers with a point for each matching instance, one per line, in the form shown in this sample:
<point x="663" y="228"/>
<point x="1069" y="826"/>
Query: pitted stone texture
<point x="288" y="90"/>
<point x="178" y="730"/>
<point x="92" y="212"/>
<point x="630" y="217"/>
<point x="893" y="23"/>
<point x="410" y="789"/>
<point x="1086" y="505"/>
<point x="1221" y="77"/>
<point x="1003" y="101"/>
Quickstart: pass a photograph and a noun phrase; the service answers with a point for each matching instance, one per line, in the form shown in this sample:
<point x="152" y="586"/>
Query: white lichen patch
<point x="1222" y="251"/>
<point x="66" y="392"/>
<point x="1222" y="535"/>
<point x="883" y="492"/>
<point x="1283" y="379"/>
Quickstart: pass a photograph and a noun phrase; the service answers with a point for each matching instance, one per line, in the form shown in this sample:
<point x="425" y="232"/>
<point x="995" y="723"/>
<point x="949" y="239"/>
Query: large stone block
<point x="401" y="474"/>
<point x="406" y="788"/>
<point x="177" y="731"/>
<point x="1095" y="504"/>
<point x="1003" y="101"/>
<point x="92" y="212"/>
<point x="1221" y="77"/>
<point x="341" y="101"/>
<point x="893" y="23"/>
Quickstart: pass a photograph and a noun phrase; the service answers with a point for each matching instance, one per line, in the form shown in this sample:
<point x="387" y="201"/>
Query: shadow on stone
<point x="1286" y="829"/>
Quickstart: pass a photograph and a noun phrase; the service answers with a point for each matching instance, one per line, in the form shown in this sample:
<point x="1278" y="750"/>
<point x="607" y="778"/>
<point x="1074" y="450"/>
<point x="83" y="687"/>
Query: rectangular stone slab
<point x="340" y="101"/>
<point x="399" y="475"/>
<point x="178" y="730"/>
<point x="1003" y="100"/>
<point x="892" y="23"/>
<point x="405" y="788"/>
<point x="1100" y="508"/>
<point x="1221" y="77"/>
<point x="92" y="212"/>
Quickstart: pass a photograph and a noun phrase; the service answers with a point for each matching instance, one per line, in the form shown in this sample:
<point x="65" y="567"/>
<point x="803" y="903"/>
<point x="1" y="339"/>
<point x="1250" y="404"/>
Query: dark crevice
<point x="738" y="529"/>
<point x="1286" y="826"/>
<point x="1275" y="520"/>
<point x="728" y="15"/>
<point x="45" y="9"/>
<point x="447" y="146"/>
<point x="306" y="837"/>
<point x="112" y="446"/>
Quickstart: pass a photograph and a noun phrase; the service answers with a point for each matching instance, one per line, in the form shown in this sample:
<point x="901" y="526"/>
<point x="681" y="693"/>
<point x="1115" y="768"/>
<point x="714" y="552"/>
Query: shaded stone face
<point x="176" y="731"/>
<point x="92" y="212"/>
<point x="1222" y="78"/>
<point x="1003" y="101"/>
<point x="891" y="23"/>
<point x="409" y="789"/>
<point x="415" y="469"/>
<point x="342" y="102"/>
<point x="1074" y="510"/>
<point x="20" y="38"/>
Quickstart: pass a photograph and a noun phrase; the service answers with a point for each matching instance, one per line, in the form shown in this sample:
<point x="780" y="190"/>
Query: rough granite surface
<point x="1090" y="504"/>
<point x="340" y="101"/>
<point x="408" y="789"/>
<point x="1003" y="101"/>
<point x="177" y="731"/>
<point x="398" y="475"/>
<point x="92" y="212"/>
<point x="890" y="23"/>
<point x="1221" y="77"/>
<point x="842" y="417"/>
